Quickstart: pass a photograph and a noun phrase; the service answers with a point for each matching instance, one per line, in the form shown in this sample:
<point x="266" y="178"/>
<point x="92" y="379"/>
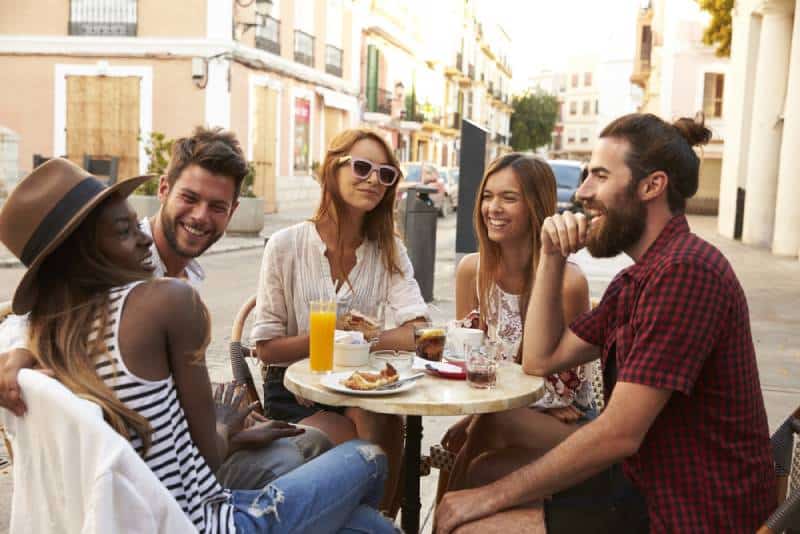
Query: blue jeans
<point x="335" y="492"/>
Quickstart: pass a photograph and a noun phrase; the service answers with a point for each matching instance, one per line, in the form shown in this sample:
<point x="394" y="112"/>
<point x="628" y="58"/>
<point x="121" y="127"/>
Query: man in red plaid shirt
<point x="684" y="415"/>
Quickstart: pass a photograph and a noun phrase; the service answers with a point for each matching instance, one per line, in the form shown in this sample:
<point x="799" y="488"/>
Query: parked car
<point x="424" y="173"/>
<point x="450" y="202"/>
<point x="568" y="179"/>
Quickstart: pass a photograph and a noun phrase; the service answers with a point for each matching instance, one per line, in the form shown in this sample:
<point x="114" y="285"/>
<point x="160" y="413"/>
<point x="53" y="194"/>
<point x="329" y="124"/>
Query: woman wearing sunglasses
<point x="347" y="252"/>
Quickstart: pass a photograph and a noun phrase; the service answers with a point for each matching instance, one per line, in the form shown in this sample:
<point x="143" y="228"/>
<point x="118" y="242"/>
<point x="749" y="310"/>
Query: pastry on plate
<point x="366" y="381"/>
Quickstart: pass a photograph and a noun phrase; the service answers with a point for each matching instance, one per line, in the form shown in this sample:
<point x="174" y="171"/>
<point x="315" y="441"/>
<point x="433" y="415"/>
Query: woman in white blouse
<point x="348" y="252"/>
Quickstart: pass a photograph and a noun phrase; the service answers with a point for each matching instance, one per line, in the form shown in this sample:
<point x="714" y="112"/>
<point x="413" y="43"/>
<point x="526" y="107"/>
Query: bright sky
<point x="546" y="33"/>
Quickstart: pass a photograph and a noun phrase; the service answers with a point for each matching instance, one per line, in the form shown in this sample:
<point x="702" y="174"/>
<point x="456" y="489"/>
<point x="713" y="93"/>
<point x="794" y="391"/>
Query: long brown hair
<point x="538" y="185"/>
<point x="73" y="286"/>
<point x="378" y="223"/>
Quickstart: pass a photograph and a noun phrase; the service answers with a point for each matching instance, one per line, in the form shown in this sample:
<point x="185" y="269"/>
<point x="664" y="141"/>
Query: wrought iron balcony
<point x="103" y="17"/>
<point x="304" y="48"/>
<point x="268" y="35"/>
<point x="333" y="60"/>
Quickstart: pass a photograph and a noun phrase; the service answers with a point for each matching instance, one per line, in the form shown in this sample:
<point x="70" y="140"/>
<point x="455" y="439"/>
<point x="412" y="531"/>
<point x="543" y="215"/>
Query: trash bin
<point x="418" y="217"/>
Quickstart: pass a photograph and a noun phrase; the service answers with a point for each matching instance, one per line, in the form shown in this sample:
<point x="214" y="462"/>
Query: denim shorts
<point x="281" y="404"/>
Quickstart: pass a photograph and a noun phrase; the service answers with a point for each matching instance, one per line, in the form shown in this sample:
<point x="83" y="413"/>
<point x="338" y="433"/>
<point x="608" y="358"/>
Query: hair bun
<point x="694" y="130"/>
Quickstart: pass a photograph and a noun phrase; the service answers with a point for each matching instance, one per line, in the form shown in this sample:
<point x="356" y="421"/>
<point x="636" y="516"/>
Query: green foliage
<point x="247" y="183"/>
<point x="533" y="120"/>
<point x="159" y="149"/>
<point x="720" y="30"/>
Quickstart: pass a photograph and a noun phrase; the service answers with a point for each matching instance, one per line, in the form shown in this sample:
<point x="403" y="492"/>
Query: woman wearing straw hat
<point x="135" y="346"/>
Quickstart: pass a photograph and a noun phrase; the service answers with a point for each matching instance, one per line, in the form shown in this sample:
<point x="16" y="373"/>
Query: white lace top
<point x="505" y="327"/>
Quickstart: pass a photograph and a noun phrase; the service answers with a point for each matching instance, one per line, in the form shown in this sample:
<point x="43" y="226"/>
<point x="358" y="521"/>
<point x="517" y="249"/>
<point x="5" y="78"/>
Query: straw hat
<point x="44" y="209"/>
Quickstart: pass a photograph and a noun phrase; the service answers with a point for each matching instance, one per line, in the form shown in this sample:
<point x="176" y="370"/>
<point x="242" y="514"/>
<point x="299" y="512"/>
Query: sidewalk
<point x="229" y="243"/>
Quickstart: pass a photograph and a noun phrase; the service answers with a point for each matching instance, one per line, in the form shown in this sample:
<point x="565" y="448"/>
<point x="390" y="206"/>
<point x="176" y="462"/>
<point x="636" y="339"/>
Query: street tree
<point x="720" y="28"/>
<point x="533" y="120"/>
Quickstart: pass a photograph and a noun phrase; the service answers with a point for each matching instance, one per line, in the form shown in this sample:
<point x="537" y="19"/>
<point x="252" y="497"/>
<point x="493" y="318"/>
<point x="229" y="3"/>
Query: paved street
<point x="772" y="286"/>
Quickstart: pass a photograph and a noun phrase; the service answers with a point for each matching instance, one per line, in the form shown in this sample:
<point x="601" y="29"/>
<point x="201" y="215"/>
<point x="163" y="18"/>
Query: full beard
<point x="620" y="230"/>
<point x="170" y="227"/>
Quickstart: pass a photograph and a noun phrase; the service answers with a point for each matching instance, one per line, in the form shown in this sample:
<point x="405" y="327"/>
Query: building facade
<point x="97" y="77"/>
<point x="760" y="181"/>
<point x="681" y="76"/>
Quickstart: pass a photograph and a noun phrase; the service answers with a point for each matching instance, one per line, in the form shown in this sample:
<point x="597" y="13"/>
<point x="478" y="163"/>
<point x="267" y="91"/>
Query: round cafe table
<point x="430" y="396"/>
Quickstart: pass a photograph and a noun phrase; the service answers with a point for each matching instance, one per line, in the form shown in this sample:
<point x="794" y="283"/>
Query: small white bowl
<point x="351" y="355"/>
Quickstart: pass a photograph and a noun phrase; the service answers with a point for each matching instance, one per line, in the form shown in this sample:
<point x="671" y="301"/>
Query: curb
<point x="13" y="263"/>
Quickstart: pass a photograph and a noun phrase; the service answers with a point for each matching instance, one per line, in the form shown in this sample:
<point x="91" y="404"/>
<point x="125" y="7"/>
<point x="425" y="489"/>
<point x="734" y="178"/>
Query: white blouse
<point x="295" y="271"/>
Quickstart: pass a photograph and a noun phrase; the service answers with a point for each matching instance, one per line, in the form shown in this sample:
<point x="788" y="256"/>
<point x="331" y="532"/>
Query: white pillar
<point x="787" y="207"/>
<point x="765" y="135"/>
<point x="739" y="84"/>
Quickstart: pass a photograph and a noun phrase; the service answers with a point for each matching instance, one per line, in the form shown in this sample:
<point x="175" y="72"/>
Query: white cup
<point x="466" y="337"/>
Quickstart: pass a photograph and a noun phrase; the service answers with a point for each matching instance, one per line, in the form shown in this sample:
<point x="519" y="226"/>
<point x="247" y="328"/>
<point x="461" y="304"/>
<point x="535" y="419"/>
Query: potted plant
<point x="248" y="219"/>
<point x="145" y="200"/>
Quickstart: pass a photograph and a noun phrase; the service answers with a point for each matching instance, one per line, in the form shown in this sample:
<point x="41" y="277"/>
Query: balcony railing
<point x="268" y="35"/>
<point x="103" y="17"/>
<point x="333" y="60"/>
<point x="304" y="48"/>
<point x="382" y="102"/>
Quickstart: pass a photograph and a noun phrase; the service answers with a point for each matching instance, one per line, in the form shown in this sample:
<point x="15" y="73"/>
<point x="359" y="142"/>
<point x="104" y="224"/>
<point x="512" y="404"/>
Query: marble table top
<point x="430" y="396"/>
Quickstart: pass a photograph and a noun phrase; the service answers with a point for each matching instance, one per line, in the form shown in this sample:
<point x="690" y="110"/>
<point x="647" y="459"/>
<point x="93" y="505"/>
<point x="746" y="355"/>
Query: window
<point x="646" y="46"/>
<point x="587" y="107"/>
<point x="268" y="27"/>
<point x="584" y="136"/>
<point x="304" y="48"/>
<point x="573" y="108"/>
<point x="302" y="134"/>
<point x="570" y="137"/>
<point x="587" y="79"/>
<point x="575" y="80"/>
<point x="596" y="107"/>
<point x="713" y="89"/>
<point x="102" y="17"/>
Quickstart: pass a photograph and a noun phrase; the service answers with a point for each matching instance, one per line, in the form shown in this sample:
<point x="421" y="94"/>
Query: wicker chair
<point x="786" y="454"/>
<point x="5" y="457"/>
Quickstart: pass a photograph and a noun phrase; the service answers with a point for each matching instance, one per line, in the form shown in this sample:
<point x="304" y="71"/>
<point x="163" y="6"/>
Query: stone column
<point x="765" y="135"/>
<point x="739" y="84"/>
<point x="787" y="207"/>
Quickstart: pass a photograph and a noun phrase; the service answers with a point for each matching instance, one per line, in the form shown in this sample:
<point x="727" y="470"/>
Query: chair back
<point x="240" y="353"/>
<point x="786" y="455"/>
<point x="102" y="166"/>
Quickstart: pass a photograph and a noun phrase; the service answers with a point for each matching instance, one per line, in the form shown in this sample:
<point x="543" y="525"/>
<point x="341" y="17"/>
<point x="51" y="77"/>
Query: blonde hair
<point x="538" y="185"/>
<point x="378" y="223"/>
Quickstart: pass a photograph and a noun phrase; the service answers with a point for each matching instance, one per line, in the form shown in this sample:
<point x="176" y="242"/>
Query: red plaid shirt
<point x="678" y="320"/>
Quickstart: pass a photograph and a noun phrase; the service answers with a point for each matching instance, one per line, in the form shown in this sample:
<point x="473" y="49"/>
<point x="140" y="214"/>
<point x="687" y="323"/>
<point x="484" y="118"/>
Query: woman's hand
<point x="456" y="435"/>
<point x="229" y="412"/>
<point x="10" y="365"/>
<point x="261" y="432"/>
<point x="567" y="415"/>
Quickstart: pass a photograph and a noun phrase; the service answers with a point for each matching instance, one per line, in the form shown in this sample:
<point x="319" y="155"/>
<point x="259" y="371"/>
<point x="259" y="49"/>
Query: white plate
<point x="334" y="381"/>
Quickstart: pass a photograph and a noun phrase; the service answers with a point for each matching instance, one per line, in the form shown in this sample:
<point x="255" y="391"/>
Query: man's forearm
<point x="582" y="455"/>
<point x="544" y="320"/>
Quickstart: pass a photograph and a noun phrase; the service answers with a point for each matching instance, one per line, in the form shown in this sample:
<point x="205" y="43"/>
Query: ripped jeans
<point x="337" y="491"/>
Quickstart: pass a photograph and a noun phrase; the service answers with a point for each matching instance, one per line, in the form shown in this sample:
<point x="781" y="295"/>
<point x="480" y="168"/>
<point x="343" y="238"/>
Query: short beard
<point x="168" y="226"/>
<point x="622" y="228"/>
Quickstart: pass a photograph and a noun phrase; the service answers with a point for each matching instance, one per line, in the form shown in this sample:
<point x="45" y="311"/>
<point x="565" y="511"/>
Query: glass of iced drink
<point x="429" y="341"/>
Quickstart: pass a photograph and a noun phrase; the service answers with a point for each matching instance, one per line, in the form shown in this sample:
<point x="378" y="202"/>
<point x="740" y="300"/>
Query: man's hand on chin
<point x="459" y="507"/>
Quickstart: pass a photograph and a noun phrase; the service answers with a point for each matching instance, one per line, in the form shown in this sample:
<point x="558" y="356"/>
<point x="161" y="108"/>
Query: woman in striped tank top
<point x="136" y="346"/>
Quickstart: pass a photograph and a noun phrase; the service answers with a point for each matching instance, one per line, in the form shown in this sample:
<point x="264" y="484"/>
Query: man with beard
<point x="684" y="412"/>
<point x="199" y="194"/>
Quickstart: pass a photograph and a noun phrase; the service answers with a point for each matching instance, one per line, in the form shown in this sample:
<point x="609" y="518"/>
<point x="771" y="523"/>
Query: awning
<point x="334" y="99"/>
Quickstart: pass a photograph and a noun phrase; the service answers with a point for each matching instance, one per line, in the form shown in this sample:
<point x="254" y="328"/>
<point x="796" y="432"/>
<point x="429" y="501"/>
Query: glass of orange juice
<point x="322" y="325"/>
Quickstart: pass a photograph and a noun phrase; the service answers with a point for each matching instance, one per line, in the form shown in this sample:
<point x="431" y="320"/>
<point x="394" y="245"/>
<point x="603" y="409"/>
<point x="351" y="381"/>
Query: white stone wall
<point x="9" y="160"/>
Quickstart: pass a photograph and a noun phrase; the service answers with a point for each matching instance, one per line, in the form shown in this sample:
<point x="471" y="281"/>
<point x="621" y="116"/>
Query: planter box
<point x="248" y="219"/>
<point x="144" y="205"/>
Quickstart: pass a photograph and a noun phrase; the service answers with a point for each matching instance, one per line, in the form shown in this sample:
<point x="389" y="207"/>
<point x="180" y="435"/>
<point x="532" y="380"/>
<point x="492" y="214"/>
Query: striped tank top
<point x="173" y="456"/>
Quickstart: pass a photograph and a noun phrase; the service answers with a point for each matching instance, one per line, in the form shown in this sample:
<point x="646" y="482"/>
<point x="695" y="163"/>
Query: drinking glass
<point x="322" y="321"/>
<point x="429" y="339"/>
<point x="481" y="370"/>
